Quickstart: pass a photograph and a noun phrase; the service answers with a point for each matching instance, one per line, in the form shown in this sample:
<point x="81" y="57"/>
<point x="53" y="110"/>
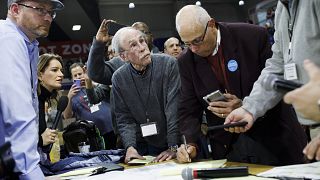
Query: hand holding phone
<point x="77" y="82"/>
<point x="223" y="126"/>
<point x="214" y="96"/>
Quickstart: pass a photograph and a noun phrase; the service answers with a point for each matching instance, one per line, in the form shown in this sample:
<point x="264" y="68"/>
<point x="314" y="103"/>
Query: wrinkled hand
<point x="102" y="34"/>
<point x="49" y="136"/>
<point x="184" y="155"/>
<point x="312" y="150"/>
<point x="237" y="115"/>
<point x="223" y="108"/>
<point x="132" y="153"/>
<point x="304" y="99"/>
<point x="165" y="156"/>
<point x="73" y="91"/>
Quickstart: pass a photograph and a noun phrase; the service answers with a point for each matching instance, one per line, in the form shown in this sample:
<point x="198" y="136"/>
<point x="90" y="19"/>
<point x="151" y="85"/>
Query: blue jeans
<point x="78" y="160"/>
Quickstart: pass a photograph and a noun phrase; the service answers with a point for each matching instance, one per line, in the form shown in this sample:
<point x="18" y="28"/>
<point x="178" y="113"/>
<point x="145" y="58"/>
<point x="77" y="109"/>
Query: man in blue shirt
<point x="26" y="21"/>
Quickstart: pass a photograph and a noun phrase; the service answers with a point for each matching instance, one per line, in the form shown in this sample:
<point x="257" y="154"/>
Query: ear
<point x="40" y="76"/>
<point x="212" y="23"/>
<point x="123" y="56"/>
<point x="14" y="9"/>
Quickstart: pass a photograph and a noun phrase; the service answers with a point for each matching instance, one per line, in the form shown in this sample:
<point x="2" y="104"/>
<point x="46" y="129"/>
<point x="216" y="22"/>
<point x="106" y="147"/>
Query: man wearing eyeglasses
<point x="229" y="57"/>
<point x="26" y="21"/>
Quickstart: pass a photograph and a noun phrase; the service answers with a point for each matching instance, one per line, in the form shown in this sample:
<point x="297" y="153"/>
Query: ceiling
<point x="158" y="14"/>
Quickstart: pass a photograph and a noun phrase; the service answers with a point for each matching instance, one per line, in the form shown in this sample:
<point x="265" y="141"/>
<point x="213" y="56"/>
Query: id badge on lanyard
<point x="149" y="129"/>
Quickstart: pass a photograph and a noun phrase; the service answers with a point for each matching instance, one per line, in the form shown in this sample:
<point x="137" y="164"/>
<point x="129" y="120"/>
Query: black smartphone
<point x="114" y="27"/>
<point x="236" y="124"/>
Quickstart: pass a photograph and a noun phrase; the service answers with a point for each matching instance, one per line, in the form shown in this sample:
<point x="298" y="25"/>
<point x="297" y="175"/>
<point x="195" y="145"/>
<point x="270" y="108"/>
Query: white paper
<point x="309" y="171"/>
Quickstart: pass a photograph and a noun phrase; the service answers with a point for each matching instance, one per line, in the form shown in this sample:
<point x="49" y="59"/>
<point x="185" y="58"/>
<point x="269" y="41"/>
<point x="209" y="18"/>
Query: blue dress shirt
<point x="18" y="98"/>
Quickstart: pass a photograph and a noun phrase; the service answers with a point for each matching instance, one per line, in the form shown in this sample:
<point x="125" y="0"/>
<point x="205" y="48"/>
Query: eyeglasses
<point x="198" y="40"/>
<point x="41" y="11"/>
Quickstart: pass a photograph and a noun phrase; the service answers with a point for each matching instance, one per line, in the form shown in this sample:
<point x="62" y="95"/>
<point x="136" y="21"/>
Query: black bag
<point x="82" y="131"/>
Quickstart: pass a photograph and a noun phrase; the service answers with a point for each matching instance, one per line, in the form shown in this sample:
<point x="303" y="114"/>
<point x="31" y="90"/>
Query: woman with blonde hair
<point x="50" y="77"/>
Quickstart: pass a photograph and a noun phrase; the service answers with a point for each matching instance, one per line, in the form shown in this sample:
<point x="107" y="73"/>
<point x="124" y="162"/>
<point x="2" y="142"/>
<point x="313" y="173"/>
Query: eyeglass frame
<point x="41" y="11"/>
<point x="197" y="42"/>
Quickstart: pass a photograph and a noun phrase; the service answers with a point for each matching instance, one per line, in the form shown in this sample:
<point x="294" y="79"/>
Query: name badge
<point x="290" y="71"/>
<point x="149" y="129"/>
<point x="94" y="108"/>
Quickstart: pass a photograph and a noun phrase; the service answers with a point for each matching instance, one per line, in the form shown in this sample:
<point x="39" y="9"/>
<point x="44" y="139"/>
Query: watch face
<point x="173" y="148"/>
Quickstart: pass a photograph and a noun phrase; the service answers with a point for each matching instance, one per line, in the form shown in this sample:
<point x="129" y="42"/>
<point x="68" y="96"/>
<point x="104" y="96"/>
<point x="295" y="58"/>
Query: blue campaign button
<point x="232" y="65"/>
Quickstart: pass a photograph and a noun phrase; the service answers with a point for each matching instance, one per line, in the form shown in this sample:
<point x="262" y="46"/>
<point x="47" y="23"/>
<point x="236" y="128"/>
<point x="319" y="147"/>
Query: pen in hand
<point x="185" y="145"/>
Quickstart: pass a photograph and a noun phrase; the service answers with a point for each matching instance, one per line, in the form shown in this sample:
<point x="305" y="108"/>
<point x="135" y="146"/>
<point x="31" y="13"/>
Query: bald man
<point x="172" y="47"/>
<point x="229" y="57"/>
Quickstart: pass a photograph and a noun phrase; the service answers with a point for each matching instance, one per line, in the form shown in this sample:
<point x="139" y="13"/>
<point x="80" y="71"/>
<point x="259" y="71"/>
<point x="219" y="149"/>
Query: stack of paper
<point x="306" y="171"/>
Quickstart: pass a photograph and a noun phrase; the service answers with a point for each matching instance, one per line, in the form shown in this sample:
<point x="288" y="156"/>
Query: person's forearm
<point x="67" y="113"/>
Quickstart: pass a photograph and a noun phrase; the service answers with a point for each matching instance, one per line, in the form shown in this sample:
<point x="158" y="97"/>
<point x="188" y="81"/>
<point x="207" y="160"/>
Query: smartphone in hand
<point x="214" y="96"/>
<point x="77" y="82"/>
<point x="113" y="27"/>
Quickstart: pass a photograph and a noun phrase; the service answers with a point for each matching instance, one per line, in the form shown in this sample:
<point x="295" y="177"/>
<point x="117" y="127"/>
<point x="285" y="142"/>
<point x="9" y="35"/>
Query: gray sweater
<point x="130" y="106"/>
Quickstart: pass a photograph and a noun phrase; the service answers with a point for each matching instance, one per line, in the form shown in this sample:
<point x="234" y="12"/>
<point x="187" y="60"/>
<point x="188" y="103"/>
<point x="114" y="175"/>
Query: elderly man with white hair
<point x="145" y="93"/>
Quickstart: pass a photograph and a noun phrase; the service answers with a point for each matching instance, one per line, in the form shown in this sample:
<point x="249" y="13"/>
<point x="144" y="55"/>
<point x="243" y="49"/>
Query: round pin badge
<point x="232" y="65"/>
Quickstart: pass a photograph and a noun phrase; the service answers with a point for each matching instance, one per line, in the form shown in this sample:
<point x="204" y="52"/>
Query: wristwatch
<point x="173" y="148"/>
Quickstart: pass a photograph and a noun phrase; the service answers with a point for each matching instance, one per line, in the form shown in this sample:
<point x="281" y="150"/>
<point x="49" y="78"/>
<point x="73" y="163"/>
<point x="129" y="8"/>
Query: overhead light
<point x="76" y="27"/>
<point x="198" y="3"/>
<point x="131" y="5"/>
<point x="241" y="3"/>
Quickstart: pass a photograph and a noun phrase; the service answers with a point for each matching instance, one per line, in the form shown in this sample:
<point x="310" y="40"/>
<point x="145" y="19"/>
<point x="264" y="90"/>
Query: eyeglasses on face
<point x="40" y="11"/>
<point x="198" y="40"/>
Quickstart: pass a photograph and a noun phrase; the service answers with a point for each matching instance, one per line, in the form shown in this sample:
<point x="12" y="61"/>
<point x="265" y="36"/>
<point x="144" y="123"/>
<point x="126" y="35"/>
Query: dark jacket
<point x="278" y="131"/>
<point x="43" y="97"/>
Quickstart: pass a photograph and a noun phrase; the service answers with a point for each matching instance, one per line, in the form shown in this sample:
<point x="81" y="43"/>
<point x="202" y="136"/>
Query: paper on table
<point x="309" y="171"/>
<point x="147" y="160"/>
<point x="78" y="172"/>
<point x="245" y="178"/>
<point x="199" y="165"/>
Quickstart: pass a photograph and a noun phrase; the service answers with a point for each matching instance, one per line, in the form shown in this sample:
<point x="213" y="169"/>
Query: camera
<point x="214" y="96"/>
<point x="114" y="27"/>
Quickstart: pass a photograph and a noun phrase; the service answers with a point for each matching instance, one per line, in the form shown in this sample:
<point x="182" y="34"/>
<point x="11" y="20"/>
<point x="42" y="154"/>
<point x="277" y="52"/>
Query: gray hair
<point x="117" y="39"/>
<point x="196" y="14"/>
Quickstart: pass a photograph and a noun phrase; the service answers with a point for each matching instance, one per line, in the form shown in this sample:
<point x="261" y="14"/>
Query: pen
<point x="185" y="145"/>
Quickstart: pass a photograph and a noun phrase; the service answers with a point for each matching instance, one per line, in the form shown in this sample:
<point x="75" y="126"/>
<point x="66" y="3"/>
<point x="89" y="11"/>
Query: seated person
<point x="80" y="106"/>
<point x="144" y="95"/>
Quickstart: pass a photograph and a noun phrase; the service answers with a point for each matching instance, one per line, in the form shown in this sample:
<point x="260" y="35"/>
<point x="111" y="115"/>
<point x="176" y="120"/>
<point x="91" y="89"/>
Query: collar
<point x="218" y="42"/>
<point x="139" y="72"/>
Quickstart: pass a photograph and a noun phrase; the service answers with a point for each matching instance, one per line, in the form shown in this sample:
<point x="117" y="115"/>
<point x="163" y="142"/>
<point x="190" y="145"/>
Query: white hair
<point x="117" y="38"/>
<point x="192" y="13"/>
